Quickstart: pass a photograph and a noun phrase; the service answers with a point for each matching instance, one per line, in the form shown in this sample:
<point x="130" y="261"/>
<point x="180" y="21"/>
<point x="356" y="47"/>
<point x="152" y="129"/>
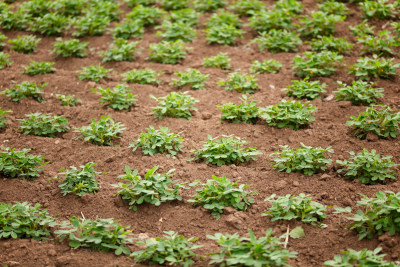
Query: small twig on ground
<point x="287" y="237"/>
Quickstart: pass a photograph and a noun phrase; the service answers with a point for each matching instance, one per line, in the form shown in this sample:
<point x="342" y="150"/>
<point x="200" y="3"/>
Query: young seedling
<point x="120" y="50"/>
<point x="378" y="119"/>
<point x="363" y="257"/>
<point x="378" y="9"/>
<point x="269" y="65"/>
<point x="79" y="181"/>
<point x="333" y="7"/>
<point x="305" y="89"/>
<point x="24" y="220"/>
<point x="382" y="44"/>
<point x="225" y="150"/>
<point x="127" y="29"/>
<point x="224" y="34"/>
<point x="362" y="29"/>
<point x="147" y="15"/>
<point x="366" y="67"/>
<point x="16" y="163"/>
<point x="154" y="189"/>
<point x="208" y="6"/>
<point x="265" y="21"/>
<point x="221" y="61"/>
<point x="118" y="98"/>
<point x="93" y="73"/>
<point x="313" y="64"/>
<point x="158" y="141"/>
<point x="223" y="17"/>
<point x="25" y="89"/>
<point x="43" y="124"/>
<point x="192" y="78"/>
<point x="4" y="60"/>
<point x="318" y="23"/>
<point x="291" y="114"/>
<point x="25" y="44"/>
<point x="219" y="193"/>
<point x="247" y="111"/>
<point x="68" y="100"/>
<point x="290" y="7"/>
<point x="168" y="52"/>
<point x="377" y="216"/>
<point x="188" y="16"/>
<point x="51" y="24"/>
<point x="3" y="119"/>
<point x="174" y="4"/>
<point x="70" y="48"/>
<point x="173" y="31"/>
<point x="90" y="25"/>
<point x="330" y="43"/>
<point x="101" y="132"/>
<point x="39" y="68"/>
<point x="276" y="41"/>
<point x="305" y="159"/>
<point x="142" y="76"/>
<point x="175" y="105"/>
<point x="134" y="3"/>
<point x="171" y="249"/>
<point x="98" y="235"/>
<point x="247" y="7"/>
<point x="2" y="40"/>
<point x="359" y="92"/>
<point x="368" y="167"/>
<point x="242" y="83"/>
<point x="300" y="208"/>
<point x="250" y="251"/>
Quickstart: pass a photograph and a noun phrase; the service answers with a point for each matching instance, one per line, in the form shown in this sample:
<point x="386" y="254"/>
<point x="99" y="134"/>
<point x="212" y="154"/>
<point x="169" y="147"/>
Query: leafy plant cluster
<point x="221" y="61"/>
<point x="118" y="98"/>
<point x="25" y="44"/>
<point x="269" y="65"/>
<point x="68" y="100"/>
<point x="43" y="124"/>
<point x="366" y="67"/>
<point x="93" y="73"/>
<point x="173" y="31"/>
<point x="246" y="111"/>
<point x="223" y="29"/>
<point x="70" y="48"/>
<point x="39" y="68"/>
<point x="278" y="40"/>
<point x="175" y="105"/>
<point x="4" y="60"/>
<point x="240" y="82"/>
<point x="24" y="90"/>
<point x="382" y="44"/>
<point x="363" y="257"/>
<point x="168" y="52"/>
<point x="318" y="23"/>
<point x="330" y="43"/>
<point x="192" y="78"/>
<point x="142" y="76"/>
<point x="316" y="64"/>
<point x="3" y="119"/>
<point x="359" y="92"/>
<point x="120" y="50"/>
<point x="305" y="89"/>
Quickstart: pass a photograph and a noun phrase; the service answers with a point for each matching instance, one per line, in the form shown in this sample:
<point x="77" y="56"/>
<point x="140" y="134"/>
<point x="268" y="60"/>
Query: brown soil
<point x="329" y="129"/>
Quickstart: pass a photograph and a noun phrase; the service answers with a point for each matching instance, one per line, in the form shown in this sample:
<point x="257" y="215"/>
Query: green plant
<point x="168" y="52"/>
<point x="224" y="34"/>
<point x="4" y="61"/>
<point x="43" y="124"/>
<point x="134" y="3"/>
<point x="221" y="61"/>
<point x="265" y="21"/>
<point x="99" y="234"/>
<point x="250" y="251"/>
<point x="146" y="15"/>
<point x="26" y="44"/>
<point x="305" y="89"/>
<point x="313" y="64"/>
<point x="188" y="16"/>
<point x="143" y="76"/>
<point x="363" y="257"/>
<point x="25" y="89"/>
<point x="101" y="132"/>
<point x="18" y="20"/>
<point x="269" y="65"/>
<point x="367" y="167"/>
<point x="107" y="9"/>
<point x="70" y="48"/>
<point x="378" y="119"/>
<point x="291" y="114"/>
<point x="330" y="43"/>
<point x="219" y="193"/>
<point x="300" y="208"/>
<point x="378" y="9"/>
<point x="225" y="150"/>
<point x="223" y="17"/>
<point x="170" y="250"/>
<point x="21" y="220"/>
<point x="381" y="44"/>
<point x="174" y="4"/>
<point x="79" y="182"/>
<point x="2" y="39"/>
<point x="396" y="27"/>
<point x="192" y="78"/>
<point x="51" y="24"/>
<point x="241" y="83"/>
<point x="16" y="163"/>
<point x="174" y="105"/>
<point x="70" y="8"/>
<point x="318" y="23"/>
<point x="247" y="7"/>
<point x="120" y="50"/>
<point x="128" y="28"/>
<point x="290" y="7"/>
<point x="305" y="159"/>
<point x="158" y="141"/>
<point x="276" y="41"/>
<point x="37" y="8"/>
<point x="333" y="7"/>
<point x="208" y="5"/>
<point x="39" y="68"/>
<point x="359" y="92"/>
<point x="3" y="119"/>
<point x="362" y="29"/>
<point x="366" y="67"/>
<point x="93" y="73"/>
<point x="90" y="25"/>
<point x="118" y="98"/>
<point x="68" y="100"/>
<point x="246" y="111"/>
<point x="153" y="189"/>
<point x="173" y="31"/>
<point x="378" y="215"/>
